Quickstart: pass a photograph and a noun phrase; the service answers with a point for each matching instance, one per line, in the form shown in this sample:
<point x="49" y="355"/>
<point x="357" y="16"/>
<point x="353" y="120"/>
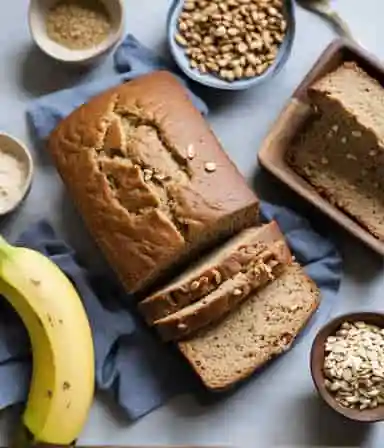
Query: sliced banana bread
<point x="262" y="327"/>
<point x="212" y="307"/>
<point x="340" y="149"/>
<point x="349" y="90"/>
<point x="211" y="271"/>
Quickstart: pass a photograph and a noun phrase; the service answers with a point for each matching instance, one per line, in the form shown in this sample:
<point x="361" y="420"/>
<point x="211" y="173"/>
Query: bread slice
<point x="344" y="174"/>
<point x="350" y="90"/>
<point x="211" y="271"/>
<point x="340" y="151"/>
<point x="261" y="271"/>
<point x="262" y="327"/>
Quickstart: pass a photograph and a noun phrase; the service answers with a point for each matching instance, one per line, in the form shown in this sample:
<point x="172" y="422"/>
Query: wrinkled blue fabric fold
<point x="131" y="363"/>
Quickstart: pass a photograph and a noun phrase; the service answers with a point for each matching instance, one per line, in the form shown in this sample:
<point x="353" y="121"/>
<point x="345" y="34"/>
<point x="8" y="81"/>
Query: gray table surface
<point x="280" y="407"/>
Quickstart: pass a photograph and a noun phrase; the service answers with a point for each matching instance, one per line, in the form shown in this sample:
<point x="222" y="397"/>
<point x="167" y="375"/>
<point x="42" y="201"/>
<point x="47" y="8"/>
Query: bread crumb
<point x="148" y="174"/>
<point x="195" y="285"/>
<point x="191" y="152"/>
<point x="217" y="276"/>
<point x="203" y="280"/>
<point x="210" y="167"/>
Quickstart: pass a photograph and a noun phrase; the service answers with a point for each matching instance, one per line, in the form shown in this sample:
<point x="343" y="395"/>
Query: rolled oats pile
<point x="354" y="365"/>
<point x="233" y="39"/>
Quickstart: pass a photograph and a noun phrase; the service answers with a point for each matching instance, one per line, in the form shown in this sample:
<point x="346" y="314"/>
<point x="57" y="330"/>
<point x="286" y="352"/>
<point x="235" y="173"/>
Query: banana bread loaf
<point x="149" y="178"/>
<point x="340" y="150"/>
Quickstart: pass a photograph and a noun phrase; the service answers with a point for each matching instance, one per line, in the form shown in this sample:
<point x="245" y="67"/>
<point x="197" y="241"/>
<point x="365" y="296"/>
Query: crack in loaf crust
<point x="134" y="161"/>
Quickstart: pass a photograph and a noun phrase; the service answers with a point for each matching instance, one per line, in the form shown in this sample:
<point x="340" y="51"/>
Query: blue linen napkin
<point x="131" y="362"/>
<point x="131" y="59"/>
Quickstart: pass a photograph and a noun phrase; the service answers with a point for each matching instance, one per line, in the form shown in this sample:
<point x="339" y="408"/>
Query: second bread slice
<point x="209" y="273"/>
<point x="262" y="270"/>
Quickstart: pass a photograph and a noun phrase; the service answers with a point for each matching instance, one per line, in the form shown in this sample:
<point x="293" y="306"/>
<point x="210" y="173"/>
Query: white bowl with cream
<point x="39" y="11"/>
<point x="16" y="173"/>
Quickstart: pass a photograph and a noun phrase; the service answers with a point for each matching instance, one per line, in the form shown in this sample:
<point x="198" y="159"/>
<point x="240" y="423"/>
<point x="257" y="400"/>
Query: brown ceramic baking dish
<point x="295" y="113"/>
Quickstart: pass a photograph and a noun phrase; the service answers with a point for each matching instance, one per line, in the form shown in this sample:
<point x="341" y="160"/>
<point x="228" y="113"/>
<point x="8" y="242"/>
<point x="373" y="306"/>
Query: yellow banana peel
<point x="63" y="377"/>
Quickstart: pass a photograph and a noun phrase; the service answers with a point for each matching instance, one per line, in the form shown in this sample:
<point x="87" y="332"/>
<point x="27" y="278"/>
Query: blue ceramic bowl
<point x="211" y="80"/>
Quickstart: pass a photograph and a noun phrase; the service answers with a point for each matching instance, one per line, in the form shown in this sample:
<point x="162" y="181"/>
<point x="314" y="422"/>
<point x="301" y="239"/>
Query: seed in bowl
<point x="232" y="39"/>
<point x="354" y="365"/>
<point x="78" y="24"/>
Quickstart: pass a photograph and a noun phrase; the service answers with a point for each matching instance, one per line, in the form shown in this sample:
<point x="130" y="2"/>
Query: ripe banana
<point x="62" y="384"/>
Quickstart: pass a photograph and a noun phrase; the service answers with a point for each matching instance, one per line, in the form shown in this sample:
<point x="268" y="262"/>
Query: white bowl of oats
<point x="76" y="31"/>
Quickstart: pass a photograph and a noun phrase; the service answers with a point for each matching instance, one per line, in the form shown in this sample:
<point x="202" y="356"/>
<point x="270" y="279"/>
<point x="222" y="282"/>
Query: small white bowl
<point x="38" y="10"/>
<point x="15" y="147"/>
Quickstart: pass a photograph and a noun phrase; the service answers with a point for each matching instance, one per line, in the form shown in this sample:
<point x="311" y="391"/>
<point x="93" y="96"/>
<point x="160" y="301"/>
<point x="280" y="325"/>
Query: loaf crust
<point x="208" y="274"/>
<point x="134" y="161"/>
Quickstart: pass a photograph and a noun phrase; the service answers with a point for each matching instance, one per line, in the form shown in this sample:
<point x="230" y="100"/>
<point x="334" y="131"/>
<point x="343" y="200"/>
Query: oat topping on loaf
<point x="261" y="328"/>
<point x="149" y="205"/>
